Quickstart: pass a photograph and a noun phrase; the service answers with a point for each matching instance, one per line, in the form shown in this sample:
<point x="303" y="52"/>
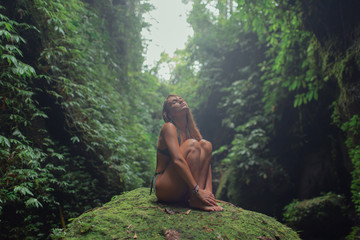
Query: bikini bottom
<point x="153" y="182"/>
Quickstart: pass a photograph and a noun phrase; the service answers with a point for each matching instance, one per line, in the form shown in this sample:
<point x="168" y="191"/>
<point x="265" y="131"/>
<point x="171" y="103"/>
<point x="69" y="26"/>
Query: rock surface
<point x="137" y="215"/>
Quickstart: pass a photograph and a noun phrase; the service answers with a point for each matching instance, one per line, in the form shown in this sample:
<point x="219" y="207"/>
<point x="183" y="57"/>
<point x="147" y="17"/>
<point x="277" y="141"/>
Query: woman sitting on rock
<point x="183" y="170"/>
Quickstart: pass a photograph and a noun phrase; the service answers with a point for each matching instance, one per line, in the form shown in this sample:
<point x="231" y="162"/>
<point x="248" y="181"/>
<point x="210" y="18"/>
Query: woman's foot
<point x="195" y="202"/>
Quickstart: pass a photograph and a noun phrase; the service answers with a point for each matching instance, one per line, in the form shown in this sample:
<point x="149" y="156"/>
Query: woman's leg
<point x="208" y="185"/>
<point x="205" y="177"/>
<point x="199" y="162"/>
<point x="206" y="153"/>
<point x="169" y="185"/>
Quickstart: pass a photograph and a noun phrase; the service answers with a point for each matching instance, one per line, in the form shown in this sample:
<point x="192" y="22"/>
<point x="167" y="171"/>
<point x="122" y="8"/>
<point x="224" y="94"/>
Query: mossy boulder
<point x="138" y="215"/>
<point x="324" y="217"/>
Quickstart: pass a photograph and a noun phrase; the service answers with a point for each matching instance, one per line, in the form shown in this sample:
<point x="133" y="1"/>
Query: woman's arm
<point x="169" y="134"/>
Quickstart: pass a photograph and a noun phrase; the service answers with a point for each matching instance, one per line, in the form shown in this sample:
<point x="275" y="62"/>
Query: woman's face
<point x="176" y="104"/>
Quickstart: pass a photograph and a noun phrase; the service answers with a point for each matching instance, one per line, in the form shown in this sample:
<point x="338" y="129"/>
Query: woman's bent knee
<point x="191" y="144"/>
<point x="206" y="146"/>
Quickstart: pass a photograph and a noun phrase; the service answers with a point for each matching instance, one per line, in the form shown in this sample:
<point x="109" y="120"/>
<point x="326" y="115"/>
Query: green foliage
<point x="323" y="216"/>
<point x="354" y="234"/>
<point x="343" y="69"/>
<point x="291" y="52"/>
<point x="79" y="119"/>
<point x="296" y="211"/>
<point x="229" y="93"/>
<point x="27" y="182"/>
<point x="266" y="73"/>
<point x="251" y="175"/>
<point x="303" y="62"/>
<point x="99" y="113"/>
<point x="77" y="124"/>
<point x="352" y="128"/>
<point x="184" y="79"/>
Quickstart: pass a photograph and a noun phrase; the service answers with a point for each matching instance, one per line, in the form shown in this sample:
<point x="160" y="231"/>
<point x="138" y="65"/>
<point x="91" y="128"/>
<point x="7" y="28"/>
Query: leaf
<point x="75" y="139"/>
<point x="254" y="145"/>
<point x="12" y="48"/>
<point x="6" y="34"/>
<point x="295" y="84"/>
<point x="4" y="141"/>
<point x="11" y="59"/>
<point x="33" y="202"/>
<point x="58" y="155"/>
<point x="23" y="190"/>
<point x="39" y="114"/>
<point x="220" y="150"/>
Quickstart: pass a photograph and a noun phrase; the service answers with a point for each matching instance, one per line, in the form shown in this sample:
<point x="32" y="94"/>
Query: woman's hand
<point x="204" y="200"/>
<point x="206" y="197"/>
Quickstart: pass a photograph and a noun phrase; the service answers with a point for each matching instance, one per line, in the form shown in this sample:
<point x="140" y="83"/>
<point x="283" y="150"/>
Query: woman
<point x="183" y="171"/>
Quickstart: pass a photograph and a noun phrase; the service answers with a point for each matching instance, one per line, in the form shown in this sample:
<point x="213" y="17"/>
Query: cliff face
<point x="137" y="215"/>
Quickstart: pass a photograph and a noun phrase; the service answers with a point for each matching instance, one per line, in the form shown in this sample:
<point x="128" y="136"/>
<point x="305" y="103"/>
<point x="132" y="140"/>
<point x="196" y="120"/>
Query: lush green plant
<point x="323" y="216"/>
<point x="248" y="50"/>
<point x="250" y="175"/>
<point x="228" y="79"/>
<point x="296" y="211"/>
<point x="352" y="128"/>
<point x="27" y="180"/>
<point x="83" y="128"/>
<point x="291" y="50"/>
<point x="304" y="59"/>
<point x="354" y="234"/>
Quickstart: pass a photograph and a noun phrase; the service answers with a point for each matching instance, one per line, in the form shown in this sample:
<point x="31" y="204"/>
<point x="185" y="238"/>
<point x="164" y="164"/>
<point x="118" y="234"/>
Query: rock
<point x="137" y="215"/>
<point x="324" y="217"/>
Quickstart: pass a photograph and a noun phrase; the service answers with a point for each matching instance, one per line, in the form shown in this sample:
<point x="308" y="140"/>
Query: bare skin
<point x="187" y="166"/>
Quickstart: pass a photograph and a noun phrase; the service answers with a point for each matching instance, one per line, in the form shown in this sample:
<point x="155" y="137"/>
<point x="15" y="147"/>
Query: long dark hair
<point x="191" y="129"/>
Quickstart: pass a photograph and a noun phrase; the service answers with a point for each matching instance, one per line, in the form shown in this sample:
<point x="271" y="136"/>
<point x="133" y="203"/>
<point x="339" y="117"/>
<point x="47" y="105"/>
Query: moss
<point x="138" y="213"/>
<point x="324" y="217"/>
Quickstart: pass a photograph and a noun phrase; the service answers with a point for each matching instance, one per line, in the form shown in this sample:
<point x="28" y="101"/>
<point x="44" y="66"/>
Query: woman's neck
<point x="180" y="123"/>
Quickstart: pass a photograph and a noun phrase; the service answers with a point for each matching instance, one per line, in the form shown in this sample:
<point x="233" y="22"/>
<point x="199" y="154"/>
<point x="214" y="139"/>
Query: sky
<point x="169" y="31"/>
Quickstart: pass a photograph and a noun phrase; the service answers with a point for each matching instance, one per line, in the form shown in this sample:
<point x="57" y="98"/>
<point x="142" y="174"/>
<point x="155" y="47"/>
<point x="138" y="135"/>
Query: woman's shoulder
<point x="167" y="130"/>
<point x="168" y="127"/>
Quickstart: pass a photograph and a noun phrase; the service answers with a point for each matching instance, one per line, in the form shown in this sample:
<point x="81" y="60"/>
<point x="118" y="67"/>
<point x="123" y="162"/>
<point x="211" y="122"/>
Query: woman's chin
<point x="183" y="109"/>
